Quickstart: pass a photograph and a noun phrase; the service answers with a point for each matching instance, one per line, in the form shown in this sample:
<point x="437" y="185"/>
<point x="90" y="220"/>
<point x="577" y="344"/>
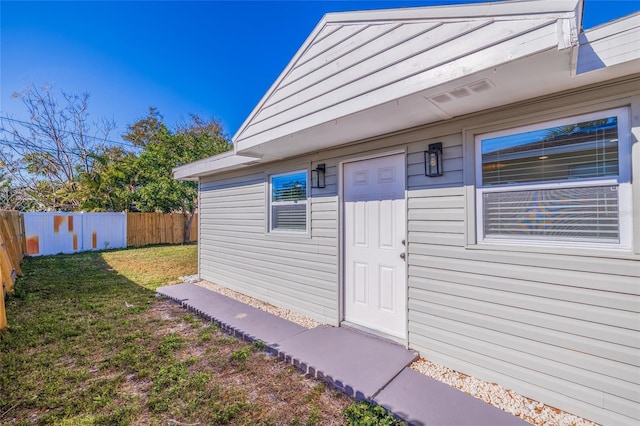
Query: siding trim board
<point x="558" y="324"/>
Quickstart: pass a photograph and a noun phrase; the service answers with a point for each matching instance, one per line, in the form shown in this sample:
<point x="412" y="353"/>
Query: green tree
<point x="110" y="185"/>
<point x="161" y="150"/>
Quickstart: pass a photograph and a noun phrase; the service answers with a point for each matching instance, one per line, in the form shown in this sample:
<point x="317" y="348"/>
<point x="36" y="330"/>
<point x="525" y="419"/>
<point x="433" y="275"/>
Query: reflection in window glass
<point x="289" y="202"/>
<point x="560" y="214"/>
<point x="291" y="187"/>
<point x="555" y="182"/>
<point x="574" y="151"/>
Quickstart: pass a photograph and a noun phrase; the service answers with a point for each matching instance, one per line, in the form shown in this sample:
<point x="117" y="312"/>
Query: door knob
<point x="404" y="242"/>
<point x="403" y="255"/>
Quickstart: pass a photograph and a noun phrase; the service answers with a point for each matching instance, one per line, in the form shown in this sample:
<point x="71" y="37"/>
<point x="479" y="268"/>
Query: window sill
<point x="288" y="235"/>
<point x="565" y="250"/>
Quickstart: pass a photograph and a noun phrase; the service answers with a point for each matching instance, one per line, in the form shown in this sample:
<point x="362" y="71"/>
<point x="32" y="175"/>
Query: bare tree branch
<point x="45" y="154"/>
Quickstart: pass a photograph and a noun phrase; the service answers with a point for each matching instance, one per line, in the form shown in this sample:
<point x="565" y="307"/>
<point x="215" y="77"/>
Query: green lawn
<point x="90" y="343"/>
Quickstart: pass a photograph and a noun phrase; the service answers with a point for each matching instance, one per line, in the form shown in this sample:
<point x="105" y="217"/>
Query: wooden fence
<point x="12" y="248"/>
<point x="158" y="228"/>
<point x="142" y="229"/>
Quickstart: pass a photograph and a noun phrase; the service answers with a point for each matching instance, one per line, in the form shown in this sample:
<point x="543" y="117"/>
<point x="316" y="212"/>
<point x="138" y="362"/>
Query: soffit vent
<point x="481" y="86"/>
<point x="461" y="92"/>
<point x="464" y="91"/>
<point x="442" y="99"/>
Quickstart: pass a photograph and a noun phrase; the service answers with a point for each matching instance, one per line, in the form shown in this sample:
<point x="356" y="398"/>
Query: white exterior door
<point x="375" y="294"/>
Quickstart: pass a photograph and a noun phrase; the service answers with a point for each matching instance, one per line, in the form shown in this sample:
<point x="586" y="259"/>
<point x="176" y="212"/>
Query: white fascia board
<point x="626" y="23"/>
<point x="215" y="164"/>
<point x="516" y="9"/>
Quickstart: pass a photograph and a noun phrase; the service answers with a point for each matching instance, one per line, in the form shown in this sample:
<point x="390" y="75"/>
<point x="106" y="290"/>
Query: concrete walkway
<point x="359" y="364"/>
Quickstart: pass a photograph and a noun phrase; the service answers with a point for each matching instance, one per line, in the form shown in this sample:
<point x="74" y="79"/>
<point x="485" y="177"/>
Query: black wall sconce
<point x="318" y="176"/>
<point x="433" y="160"/>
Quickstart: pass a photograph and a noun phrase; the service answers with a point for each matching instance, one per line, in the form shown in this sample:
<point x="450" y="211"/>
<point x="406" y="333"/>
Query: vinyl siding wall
<point x="293" y="271"/>
<point x="558" y="325"/>
<point x="561" y="326"/>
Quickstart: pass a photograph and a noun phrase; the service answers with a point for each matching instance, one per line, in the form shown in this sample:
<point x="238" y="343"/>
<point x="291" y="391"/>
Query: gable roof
<point x="363" y="74"/>
<point x="357" y="60"/>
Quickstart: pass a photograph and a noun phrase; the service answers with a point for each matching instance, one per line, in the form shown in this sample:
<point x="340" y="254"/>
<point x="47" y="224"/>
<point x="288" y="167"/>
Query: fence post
<point x="10" y="242"/>
<point x="11" y="252"/>
<point x="3" y="312"/>
<point x="8" y="272"/>
<point x="8" y="261"/>
<point x="23" y="234"/>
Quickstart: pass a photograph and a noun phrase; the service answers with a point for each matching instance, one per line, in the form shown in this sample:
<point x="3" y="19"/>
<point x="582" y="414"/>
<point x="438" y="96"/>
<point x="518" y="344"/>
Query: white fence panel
<point x="53" y="233"/>
<point x="104" y="231"/>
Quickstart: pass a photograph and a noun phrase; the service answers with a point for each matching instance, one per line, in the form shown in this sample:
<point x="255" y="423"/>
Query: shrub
<point x="367" y="414"/>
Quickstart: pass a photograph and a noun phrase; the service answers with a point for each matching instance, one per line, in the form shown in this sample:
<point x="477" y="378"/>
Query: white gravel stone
<point x="527" y="409"/>
<point x="287" y="314"/>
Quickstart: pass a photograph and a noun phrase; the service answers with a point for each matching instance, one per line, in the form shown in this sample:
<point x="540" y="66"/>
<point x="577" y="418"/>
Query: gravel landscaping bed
<point x="527" y="409"/>
<point x="281" y="312"/>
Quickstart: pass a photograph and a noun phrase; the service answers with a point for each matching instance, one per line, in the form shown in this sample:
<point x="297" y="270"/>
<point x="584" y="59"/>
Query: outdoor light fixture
<point x="317" y="176"/>
<point x="433" y="160"/>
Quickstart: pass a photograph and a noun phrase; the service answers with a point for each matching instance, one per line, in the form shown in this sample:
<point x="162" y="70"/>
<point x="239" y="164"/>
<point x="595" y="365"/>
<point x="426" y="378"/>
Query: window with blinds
<point x="563" y="214"/>
<point x="553" y="182"/>
<point x="289" y="202"/>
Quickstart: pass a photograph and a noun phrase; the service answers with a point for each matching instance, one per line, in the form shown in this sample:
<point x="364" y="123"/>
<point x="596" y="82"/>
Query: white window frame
<point x="622" y="181"/>
<point x="270" y="228"/>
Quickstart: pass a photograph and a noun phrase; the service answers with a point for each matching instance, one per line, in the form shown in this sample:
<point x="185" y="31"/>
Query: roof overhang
<point x="364" y="74"/>
<point x="218" y="163"/>
<point x="611" y="47"/>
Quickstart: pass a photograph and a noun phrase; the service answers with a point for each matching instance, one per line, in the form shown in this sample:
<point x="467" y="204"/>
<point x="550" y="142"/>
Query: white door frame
<point x="341" y="238"/>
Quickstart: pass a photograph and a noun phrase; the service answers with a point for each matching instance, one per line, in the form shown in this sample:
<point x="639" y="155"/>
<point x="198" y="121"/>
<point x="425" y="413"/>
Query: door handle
<point x="403" y="255"/>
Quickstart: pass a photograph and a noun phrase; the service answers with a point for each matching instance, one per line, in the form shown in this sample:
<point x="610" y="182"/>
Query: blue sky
<point x="213" y="58"/>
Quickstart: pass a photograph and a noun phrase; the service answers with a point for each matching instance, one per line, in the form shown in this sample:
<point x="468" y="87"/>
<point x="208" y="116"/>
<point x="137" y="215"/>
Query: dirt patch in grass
<point x="90" y="343"/>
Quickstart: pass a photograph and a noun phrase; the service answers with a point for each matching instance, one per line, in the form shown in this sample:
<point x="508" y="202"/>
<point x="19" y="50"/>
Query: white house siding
<point x="294" y="272"/>
<point x="561" y="327"/>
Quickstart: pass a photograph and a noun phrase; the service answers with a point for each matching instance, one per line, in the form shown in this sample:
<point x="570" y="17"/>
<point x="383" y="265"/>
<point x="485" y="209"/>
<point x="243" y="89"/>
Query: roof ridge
<point x="507" y="9"/>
